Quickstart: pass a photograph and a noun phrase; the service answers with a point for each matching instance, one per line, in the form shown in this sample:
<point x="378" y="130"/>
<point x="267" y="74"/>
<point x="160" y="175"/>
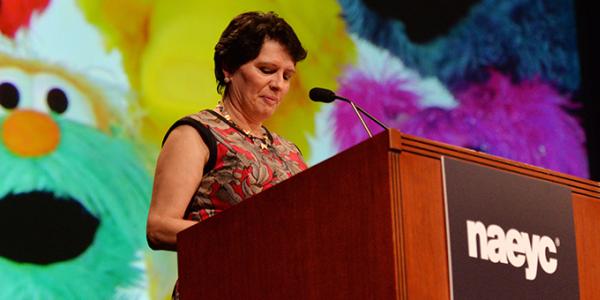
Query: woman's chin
<point x="269" y="108"/>
<point x="267" y="112"/>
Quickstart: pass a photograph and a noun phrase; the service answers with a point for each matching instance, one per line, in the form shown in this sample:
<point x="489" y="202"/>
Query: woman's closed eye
<point x="266" y="70"/>
<point x="287" y="75"/>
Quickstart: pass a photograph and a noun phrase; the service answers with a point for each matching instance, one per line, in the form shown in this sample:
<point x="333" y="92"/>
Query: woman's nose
<point x="277" y="82"/>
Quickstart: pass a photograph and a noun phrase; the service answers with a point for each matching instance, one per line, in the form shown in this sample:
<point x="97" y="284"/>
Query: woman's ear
<point x="227" y="74"/>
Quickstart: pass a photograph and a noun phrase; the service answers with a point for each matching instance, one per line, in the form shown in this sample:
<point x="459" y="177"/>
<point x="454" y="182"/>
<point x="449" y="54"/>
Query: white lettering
<point x="511" y="247"/>
<point x="495" y="244"/>
<point x="548" y="264"/>
<point x="477" y="230"/>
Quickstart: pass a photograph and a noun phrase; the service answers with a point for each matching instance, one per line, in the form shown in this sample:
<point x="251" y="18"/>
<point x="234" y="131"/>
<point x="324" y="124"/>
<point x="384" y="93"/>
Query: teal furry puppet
<point x="73" y="190"/>
<point x="72" y="199"/>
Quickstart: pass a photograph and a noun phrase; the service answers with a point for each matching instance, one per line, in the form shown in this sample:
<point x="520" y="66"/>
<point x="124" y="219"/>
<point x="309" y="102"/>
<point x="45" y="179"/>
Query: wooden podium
<point x="368" y="223"/>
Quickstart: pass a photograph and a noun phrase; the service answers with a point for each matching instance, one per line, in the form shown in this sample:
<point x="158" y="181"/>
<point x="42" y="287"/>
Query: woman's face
<point x="259" y="85"/>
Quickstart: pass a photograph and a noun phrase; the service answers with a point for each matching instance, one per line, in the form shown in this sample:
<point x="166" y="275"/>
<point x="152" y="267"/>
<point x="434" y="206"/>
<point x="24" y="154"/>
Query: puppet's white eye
<point x="55" y="95"/>
<point x="44" y="92"/>
<point x="14" y="88"/>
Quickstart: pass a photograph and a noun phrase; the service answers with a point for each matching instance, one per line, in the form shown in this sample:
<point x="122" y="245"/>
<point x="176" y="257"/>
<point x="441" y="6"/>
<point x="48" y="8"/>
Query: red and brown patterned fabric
<point x="238" y="166"/>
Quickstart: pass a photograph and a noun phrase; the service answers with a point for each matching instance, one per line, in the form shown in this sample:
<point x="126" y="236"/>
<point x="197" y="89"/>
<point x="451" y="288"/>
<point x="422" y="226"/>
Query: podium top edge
<point x="402" y="142"/>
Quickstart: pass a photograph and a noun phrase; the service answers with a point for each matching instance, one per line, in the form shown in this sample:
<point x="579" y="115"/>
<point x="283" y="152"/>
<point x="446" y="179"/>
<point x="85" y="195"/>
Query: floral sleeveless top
<point x="238" y="166"/>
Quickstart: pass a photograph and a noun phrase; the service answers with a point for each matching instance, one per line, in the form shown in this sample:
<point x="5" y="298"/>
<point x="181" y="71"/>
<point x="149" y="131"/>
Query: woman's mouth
<point x="270" y="100"/>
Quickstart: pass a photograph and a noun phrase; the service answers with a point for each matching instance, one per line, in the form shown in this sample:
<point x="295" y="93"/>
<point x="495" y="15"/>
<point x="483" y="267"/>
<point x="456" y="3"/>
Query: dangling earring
<point x="227" y="80"/>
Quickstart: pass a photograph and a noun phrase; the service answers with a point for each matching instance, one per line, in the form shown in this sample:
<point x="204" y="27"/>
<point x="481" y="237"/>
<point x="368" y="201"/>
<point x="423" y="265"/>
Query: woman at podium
<point x="216" y="158"/>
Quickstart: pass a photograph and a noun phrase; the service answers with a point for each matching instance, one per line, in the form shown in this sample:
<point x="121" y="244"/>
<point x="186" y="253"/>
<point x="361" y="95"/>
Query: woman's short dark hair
<point x="243" y="38"/>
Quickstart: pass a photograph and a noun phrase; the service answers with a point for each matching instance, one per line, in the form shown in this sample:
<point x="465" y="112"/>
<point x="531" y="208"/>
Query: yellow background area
<point x="168" y="49"/>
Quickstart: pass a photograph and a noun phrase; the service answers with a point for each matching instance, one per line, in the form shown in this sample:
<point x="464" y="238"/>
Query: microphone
<point x="328" y="96"/>
<point x="322" y="95"/>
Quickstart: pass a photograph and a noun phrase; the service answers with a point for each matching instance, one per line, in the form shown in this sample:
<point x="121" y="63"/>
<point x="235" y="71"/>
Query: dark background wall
<point x="588" y="94"/>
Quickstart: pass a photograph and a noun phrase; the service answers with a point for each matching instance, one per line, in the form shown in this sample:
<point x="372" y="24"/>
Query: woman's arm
<point x="178" y="174"/>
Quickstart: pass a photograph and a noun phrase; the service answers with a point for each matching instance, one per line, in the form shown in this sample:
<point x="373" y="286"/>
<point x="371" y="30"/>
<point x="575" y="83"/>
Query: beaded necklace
<point x="264" y="141"/>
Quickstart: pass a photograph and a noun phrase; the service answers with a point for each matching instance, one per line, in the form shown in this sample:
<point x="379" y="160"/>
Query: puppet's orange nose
<point x="30" y="133"/>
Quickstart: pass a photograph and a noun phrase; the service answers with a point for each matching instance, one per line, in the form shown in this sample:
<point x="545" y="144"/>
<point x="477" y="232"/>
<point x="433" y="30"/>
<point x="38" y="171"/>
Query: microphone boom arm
<point x="361" y="119"/>
<point x="358" y="108"/>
